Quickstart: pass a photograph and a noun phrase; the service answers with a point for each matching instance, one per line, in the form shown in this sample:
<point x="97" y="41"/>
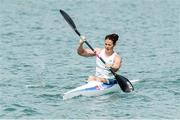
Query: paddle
<point x="123" y="82"/>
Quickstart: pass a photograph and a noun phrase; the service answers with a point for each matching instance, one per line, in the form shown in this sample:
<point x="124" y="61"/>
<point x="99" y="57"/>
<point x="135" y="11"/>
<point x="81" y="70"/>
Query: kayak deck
<point x="92" y="88"/>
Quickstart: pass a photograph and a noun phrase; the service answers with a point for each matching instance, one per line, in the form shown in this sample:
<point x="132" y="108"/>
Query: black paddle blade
<point x="124" y="83"/>
<point x="69" y="21"/>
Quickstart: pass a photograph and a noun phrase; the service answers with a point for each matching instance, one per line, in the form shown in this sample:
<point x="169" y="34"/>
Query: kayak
<point x="92" y="88"/>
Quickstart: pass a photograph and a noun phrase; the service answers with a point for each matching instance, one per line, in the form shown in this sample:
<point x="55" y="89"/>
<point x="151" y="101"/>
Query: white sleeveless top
<point x="101" y="70"/>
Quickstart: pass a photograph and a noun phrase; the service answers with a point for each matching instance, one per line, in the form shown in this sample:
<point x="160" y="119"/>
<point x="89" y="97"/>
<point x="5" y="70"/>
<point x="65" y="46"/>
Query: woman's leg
<point x="95" y="78"/>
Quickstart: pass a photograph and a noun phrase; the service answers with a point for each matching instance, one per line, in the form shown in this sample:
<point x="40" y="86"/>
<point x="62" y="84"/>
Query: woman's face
<point x="108" y="44"/>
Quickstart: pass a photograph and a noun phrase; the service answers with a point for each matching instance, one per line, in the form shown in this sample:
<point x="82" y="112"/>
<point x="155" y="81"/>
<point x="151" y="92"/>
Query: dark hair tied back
<point x="114" y="37"/>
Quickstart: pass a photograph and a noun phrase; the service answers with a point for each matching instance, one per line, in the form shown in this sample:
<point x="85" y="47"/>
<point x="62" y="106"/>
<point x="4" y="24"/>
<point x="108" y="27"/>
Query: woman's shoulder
<point x="117" y="55"/>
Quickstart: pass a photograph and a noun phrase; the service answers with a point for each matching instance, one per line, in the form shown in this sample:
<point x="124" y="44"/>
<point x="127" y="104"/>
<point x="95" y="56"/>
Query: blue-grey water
<point x="38" y="59"/>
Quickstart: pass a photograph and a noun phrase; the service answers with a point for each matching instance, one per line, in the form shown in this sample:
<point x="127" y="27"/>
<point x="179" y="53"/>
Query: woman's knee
<point x="92" y="78"/>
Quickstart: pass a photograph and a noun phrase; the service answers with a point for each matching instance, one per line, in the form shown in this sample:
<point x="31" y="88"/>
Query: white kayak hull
<point x="92" y="88"/>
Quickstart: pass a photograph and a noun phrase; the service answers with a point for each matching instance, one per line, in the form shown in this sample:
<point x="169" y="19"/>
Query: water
<point x="38" y="59"/>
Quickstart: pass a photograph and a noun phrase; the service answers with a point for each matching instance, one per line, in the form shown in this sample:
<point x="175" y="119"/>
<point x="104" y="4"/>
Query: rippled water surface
<point x="38" y="59"/>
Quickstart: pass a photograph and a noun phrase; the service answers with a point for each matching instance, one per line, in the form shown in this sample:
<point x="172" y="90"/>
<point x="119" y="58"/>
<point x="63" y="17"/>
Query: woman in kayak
<point x="112" y="59"/>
